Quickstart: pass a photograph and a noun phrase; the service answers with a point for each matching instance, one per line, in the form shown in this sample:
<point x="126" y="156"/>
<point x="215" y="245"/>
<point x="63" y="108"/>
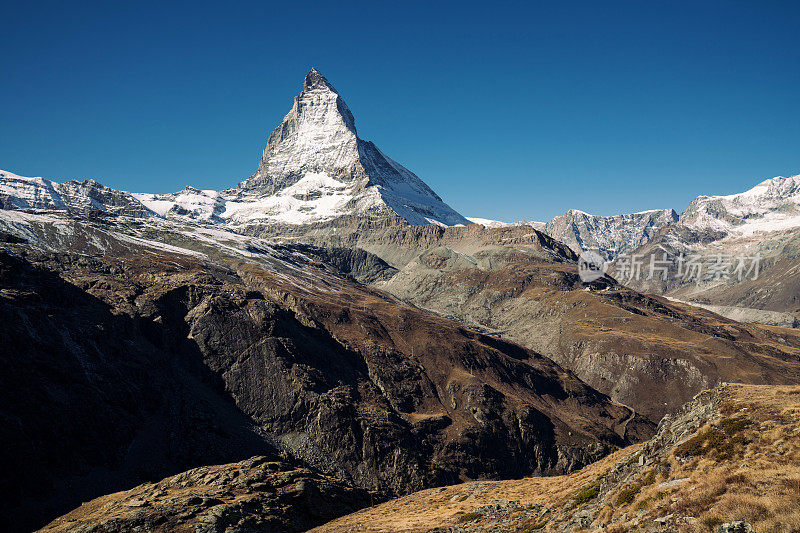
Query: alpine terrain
<point x="328" y="335"/>
<point x="726" y="234"/>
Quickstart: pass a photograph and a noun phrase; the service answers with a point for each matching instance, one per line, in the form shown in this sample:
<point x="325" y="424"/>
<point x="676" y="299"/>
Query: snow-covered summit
<point x="317" y="142"/>
<point x="314" y="168"/>
<point x="318" y="134"/>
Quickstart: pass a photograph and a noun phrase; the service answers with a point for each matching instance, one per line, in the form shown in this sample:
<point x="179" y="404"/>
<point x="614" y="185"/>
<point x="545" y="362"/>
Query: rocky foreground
<point x="252" y="495"/>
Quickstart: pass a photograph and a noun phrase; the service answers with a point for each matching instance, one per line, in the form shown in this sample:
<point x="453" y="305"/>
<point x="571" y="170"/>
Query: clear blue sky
<point x="508" y="110"/>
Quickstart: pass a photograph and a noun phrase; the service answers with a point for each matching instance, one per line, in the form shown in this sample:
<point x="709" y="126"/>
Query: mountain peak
<point x="315" y="80"/>
<point x="315" y="167"/>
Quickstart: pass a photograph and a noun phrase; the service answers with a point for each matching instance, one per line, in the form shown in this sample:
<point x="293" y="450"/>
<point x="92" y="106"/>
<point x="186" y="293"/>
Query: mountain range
<point x="314" y="168"/>
<point x="329" y="333"/>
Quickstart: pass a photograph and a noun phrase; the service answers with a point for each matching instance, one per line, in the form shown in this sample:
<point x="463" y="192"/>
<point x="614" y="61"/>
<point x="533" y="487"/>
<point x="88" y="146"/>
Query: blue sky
<point x="508" y="110"/>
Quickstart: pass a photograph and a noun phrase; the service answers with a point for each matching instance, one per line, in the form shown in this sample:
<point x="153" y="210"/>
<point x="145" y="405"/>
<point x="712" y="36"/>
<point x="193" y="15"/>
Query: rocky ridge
<point x="257" y="494"/>
<point x="609" y="235"/>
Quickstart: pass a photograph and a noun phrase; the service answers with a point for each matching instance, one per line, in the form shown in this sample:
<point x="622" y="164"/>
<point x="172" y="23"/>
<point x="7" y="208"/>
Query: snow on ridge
<point x="318" y="136"/>
<point x="771" y="206"/>
<point x="21" y="192"/>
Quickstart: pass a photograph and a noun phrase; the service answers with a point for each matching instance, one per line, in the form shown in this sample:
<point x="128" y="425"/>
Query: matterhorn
<point x="314" y="169"/>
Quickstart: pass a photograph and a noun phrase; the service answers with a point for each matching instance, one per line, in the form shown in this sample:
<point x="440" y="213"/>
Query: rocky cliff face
<point x="96" y="400"/>
<point x="612" y="235"/>
<point x="318" y="135"/>
<point x="726" y="461"/>
<point x="200" y="348"/>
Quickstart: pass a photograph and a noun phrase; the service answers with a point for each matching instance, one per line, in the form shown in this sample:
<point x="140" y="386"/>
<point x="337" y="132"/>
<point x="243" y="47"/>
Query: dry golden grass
<point x="431" y="508"/>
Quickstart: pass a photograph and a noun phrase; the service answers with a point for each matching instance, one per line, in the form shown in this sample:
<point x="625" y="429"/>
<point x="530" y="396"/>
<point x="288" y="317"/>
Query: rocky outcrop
<point x="90" y="404"/>
<point x="364" y="266"/>
<point x="257" y="494"/>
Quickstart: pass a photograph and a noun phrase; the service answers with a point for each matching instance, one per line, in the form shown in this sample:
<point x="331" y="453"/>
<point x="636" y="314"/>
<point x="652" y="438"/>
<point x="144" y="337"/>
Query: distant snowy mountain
<point x="758" y="228"/>
<point x="489" y="223"/>
<point x="314" y="169"/>
<point x="763" y="223"/>
<point x="611" y="235"/>
<point x="772" y="205"/>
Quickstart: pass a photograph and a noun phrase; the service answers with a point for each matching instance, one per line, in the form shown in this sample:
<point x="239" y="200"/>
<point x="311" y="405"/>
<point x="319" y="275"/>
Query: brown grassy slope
<point x="732" y="454"/>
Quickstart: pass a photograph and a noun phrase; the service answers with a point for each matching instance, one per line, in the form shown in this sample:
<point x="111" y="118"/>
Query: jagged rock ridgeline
<point x="19" y="192"/>
<point x="610" y="235"/>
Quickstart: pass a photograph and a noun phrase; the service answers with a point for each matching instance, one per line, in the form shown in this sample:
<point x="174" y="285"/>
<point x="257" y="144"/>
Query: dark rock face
<point x="126" y="369"/>
<point x="252" y="495"/>
<point x="90" y="405"/>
